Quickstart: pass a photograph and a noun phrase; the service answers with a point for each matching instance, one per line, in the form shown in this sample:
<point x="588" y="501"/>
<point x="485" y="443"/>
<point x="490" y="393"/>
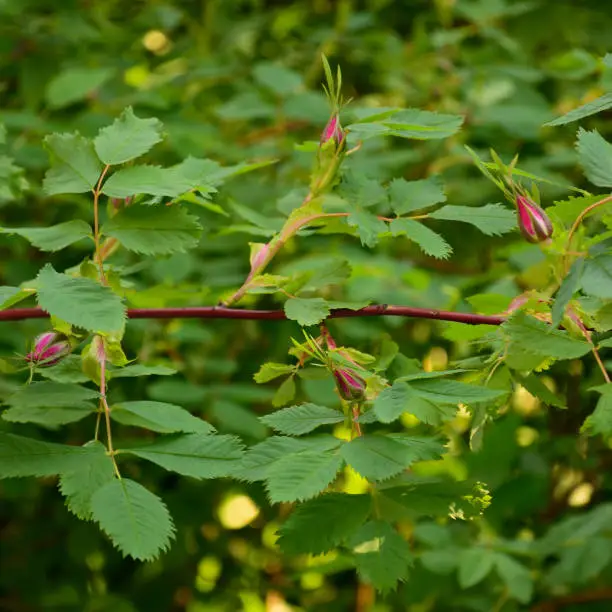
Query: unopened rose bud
<point x="351" y="385"/>
<point x="532" y="220"/>
<point x="333" y="130"/>
<point x="48" y="350"/>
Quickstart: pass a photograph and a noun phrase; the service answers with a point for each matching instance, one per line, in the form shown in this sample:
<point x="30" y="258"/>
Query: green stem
<point x="106" y="407"/>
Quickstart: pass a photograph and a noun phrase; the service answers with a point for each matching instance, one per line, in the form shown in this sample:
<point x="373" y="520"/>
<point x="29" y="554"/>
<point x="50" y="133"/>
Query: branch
<point x="220" y="312"/>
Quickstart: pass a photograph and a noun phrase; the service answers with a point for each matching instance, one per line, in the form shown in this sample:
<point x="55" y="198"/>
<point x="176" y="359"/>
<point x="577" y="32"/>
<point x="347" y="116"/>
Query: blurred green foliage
<point x="239" y="81"/>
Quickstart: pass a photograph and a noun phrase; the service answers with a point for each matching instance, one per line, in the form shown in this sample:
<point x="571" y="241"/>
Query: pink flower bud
<point x="48" y="350"/>
<point x="532" y="220"/>
<point x="333" y="130"/>
<point x="351" y="385"/>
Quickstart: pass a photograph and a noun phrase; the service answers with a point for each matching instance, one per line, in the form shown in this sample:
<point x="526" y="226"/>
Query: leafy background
<point x="240" y="81"/>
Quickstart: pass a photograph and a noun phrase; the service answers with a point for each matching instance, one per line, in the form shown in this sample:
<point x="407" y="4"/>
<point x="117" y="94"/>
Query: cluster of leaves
<point x="438" y="476"/>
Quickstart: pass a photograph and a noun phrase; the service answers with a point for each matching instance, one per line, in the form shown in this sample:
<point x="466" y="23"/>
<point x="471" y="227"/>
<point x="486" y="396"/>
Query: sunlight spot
<point x="523" y="402"/>
<point x="437" y="359"/>
<point x="526" y="436"/>
<point x="354" y="483"/>
<point x="237" y="511"/>
<point x="209" y="570"/>
<point x="276" y="603"/>
<point x="156" y="42"/>
<point x="136" y="76"/>
<point x="581" y="495"/>
<point x="312" y="580"/>
<point x="269" y="535"/>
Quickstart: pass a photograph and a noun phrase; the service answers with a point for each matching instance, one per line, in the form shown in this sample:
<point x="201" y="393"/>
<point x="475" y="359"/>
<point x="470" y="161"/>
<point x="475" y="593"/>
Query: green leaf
<point x="79" y="301"/>
<point x="52" y="238"/>
<point x="154" y="230"/>
<point x="491" y="219"/>
<point x="21" y="456"/>
<point x="474" y="565"/>
<point x="595" y="155"/>
<point x="259" y="458"/>
<point x="600" y="420"/>
<point x="195" y="455"/>
<point x="406" y="123"/>
<point x="454" y="392"/>
<point x="92" y="474"/>
<point x="377" y="457"/>
<point x="298" y="420"/>
<point x="597" y="276"/>
<point x="420" y="496"/>
<point x="368" y="226"/>
<point x="430" y="243"/>
<point x="160" y="417"/>
<point x="408" y="196"/>
<point x="49" y="417"/>
<point x="152" y="180"/>
<point x="279" y="79"/>
<point x="382" y="557"/>
<point x="567" y="211"/>
<point x="516" y="577"/>
<point x="137" y="521"/>
<point x="393" y="401"/>
<point x="75" y="166"/>
<point x="538" y="389"/>
<point x="49" y="404"/>
<point x="75" y="84"/>
<point x="12" y="295"/>
<point x="590" y="108"/>
<point x="269" y="371"/>
<point x="423" y="125"/>
<point x="320" y="524"/>
<point x="52" y="395"/>
<point x="285" y="393"/>
<point x="300" y="476"/>
<point x="536" y="337"/>
<point x="139" y="369"/>
<point x="306" y="311"/>
<point x="127" y="138"/>
<point x="568" y="287"/>
<point x="582" y="561"/>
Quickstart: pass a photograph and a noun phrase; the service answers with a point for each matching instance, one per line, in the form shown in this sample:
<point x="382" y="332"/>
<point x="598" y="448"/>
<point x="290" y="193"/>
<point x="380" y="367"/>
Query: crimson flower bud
<point x="48" y="350"/>
<point x="532" y="220"/>
<point x="351" y="385"/>
<point x="333" y="130"/>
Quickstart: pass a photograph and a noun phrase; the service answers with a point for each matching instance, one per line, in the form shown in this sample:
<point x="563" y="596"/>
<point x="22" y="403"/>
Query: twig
<point x="220" y="312"/>
<point x="577" y="223"/>
<point x="558" y="603"/>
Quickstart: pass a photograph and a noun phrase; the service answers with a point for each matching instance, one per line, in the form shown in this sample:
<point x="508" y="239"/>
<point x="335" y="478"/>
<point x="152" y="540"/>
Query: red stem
<point x="220" y="312"/>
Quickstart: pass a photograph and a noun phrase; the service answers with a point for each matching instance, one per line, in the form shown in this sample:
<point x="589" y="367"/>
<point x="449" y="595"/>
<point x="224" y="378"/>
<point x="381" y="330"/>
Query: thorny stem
<point x="220" y="312"/>
<point x="577" y="223"/>
<point x="96" y="197"/>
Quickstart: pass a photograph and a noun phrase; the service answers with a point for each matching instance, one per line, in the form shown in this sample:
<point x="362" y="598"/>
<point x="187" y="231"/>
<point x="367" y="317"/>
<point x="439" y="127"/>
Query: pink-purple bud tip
<point x="333" y="130"/>
<point x="48" y="350"/>
<point x="350" y="385"/>
<point x="532" y="220"/>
